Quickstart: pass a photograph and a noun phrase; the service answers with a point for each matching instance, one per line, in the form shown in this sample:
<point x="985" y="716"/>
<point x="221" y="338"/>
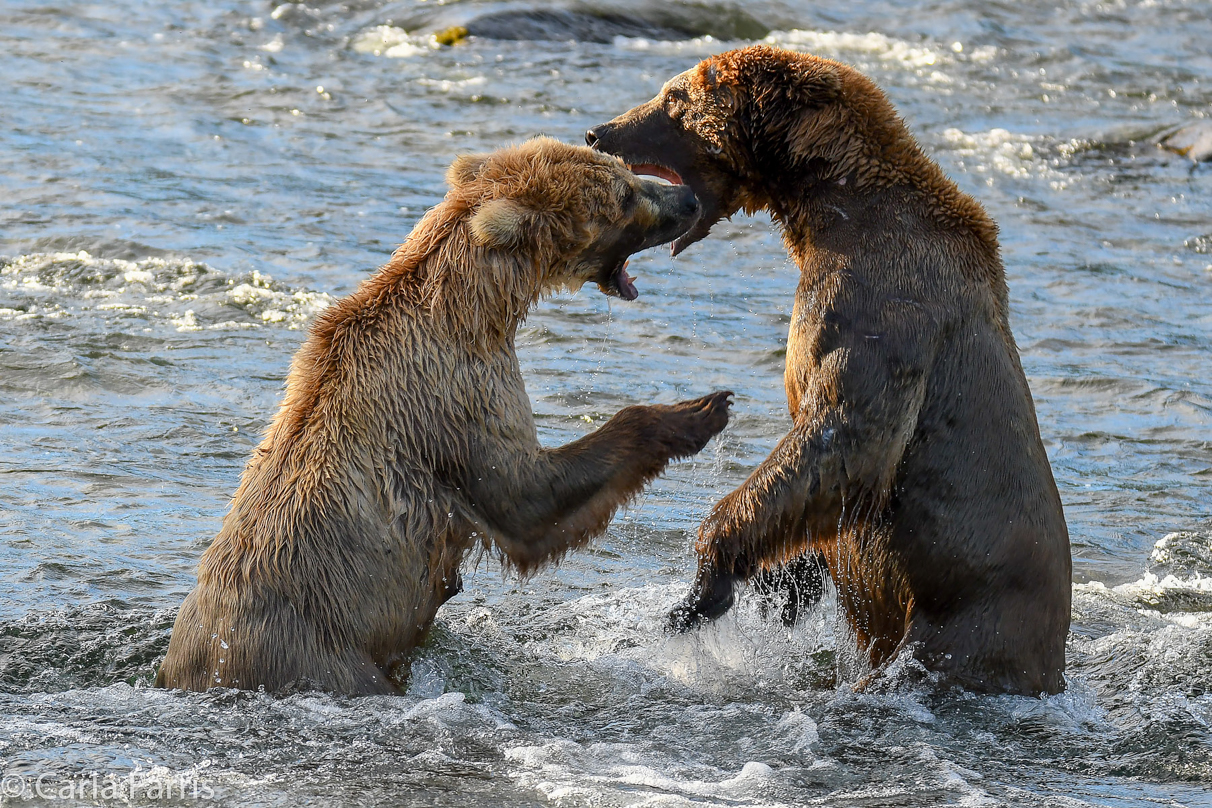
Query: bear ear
<point x="725" y="92"/>
<point x="501" y="223"/>
<point x="464" y="169"/>
<point x="819" y="84"/>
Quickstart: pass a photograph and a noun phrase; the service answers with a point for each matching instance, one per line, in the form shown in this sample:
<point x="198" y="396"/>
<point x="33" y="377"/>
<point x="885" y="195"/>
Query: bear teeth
<point x="625" y="283"/>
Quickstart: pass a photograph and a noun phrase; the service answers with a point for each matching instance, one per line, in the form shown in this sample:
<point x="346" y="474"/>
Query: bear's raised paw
<point x="685" y="428"/>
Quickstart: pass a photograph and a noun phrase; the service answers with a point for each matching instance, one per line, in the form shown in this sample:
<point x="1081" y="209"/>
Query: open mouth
<point x="701" y="225"/>
<point x="619" y="283"/>
<point x="657" y="170"/>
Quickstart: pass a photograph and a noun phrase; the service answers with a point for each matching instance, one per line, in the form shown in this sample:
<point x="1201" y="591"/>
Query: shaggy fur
<point x="406" y="439"/>
<point x="914" y="471"/>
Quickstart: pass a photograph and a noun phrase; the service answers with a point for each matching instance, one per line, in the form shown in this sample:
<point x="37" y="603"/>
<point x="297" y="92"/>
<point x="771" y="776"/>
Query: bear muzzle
<point x="661" y="214"/>
<point x="650" y="144"/>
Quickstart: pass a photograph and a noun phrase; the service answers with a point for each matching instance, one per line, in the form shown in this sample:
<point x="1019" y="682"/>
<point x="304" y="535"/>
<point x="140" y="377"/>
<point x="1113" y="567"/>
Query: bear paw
<point x="685" y="428"/>
<point x="706" y="602"/>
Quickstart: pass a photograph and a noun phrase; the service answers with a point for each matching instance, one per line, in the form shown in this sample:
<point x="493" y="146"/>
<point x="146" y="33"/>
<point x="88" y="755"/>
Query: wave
<point x="155" y="291"/>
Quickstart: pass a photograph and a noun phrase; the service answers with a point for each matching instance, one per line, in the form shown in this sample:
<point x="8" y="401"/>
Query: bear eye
<point x="673" y="105"/>
<point x="629" y="199"/>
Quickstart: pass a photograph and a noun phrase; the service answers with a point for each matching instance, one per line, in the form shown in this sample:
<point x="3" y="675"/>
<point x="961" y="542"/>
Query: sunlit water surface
<point x="187" y="184"/>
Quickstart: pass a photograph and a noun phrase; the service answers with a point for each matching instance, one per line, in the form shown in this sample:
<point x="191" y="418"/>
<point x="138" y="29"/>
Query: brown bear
<point x="406" y="439"/>
<point x="914" y="473"/>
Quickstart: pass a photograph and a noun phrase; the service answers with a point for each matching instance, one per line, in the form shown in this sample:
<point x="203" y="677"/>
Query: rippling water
<point x="185" y="185"/>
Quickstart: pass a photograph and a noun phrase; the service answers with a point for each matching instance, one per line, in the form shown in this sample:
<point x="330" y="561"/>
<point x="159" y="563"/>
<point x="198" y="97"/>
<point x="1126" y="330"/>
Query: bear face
<point x="580" y="212"/>
<point x="708" y="127"/>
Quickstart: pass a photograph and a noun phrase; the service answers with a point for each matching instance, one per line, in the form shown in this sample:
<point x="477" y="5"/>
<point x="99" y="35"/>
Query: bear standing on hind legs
<point x="406" y="438"/>
<point x="914" y="472"/>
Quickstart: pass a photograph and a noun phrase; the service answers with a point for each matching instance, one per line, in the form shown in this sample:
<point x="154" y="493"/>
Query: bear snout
<point x="688" y="203"/>
<point x="671" y="210"/>
<point x="677" y="201"/>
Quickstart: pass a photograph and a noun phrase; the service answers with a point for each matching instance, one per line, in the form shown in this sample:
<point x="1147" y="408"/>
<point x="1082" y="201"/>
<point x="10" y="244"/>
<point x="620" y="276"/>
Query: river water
<point x="185" y="185"/>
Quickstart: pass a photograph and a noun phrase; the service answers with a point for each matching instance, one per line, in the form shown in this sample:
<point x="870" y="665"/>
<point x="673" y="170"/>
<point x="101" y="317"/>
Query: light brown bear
<point x="406" y="439"/>
<point x="914" y="473"/>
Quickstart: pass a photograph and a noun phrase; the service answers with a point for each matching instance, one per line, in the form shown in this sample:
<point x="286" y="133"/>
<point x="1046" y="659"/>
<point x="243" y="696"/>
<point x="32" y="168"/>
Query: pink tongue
<point x="627" y="289"/>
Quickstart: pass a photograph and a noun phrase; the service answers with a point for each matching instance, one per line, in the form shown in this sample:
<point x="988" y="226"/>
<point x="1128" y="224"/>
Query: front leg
<point x="537" y="507"/>
<point x="860" y="408"/>
<point x="796" y="491"/>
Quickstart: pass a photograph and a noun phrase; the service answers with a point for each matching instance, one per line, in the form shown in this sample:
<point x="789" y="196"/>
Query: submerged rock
<point x="1193" y="140"/>
<point x="562" y="25"/>
<point x="677" y="21"/>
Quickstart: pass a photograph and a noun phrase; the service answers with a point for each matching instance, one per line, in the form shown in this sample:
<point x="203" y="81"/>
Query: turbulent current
<point x="185" y="185"/>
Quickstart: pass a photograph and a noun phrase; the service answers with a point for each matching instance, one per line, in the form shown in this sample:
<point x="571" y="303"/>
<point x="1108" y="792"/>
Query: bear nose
<point x="592" y="137"/>
<point x="688" y="202"/>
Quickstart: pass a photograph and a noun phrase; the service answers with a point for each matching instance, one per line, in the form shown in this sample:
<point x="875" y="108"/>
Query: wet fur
<point x="914" y="470"/>
<point x="406" y="440"/>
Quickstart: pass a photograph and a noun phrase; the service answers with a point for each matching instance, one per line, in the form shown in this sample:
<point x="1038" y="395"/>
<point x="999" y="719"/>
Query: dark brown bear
<point x="914" y="474"/>
<point x="406" y="439"/>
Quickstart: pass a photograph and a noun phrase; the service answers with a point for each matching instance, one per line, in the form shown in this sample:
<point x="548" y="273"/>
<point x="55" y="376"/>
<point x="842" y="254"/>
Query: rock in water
<point x="1193" y="140"/>
<point x="560" y="25"/>
<point x="669" y="22"/>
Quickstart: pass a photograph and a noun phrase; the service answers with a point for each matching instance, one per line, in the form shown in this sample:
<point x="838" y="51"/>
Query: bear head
<point x="575" y="213"/>
<point x="740" y="120"/>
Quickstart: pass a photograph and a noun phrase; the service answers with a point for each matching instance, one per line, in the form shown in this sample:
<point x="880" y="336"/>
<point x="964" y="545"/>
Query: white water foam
<point x="621" y="633"/>
<point x="1185" y="549"/>
<point x="700" y="46"/>
<point x="845" y="46"/>
<point x="185" y="294"/>
<point x="1012" y="154"/>
<point x="392" y="43"/>
<point x="569" y="773"/>
<point x="862" y="50"/>
<point x="1155" y="654"/>
<point x="996" y="150"/>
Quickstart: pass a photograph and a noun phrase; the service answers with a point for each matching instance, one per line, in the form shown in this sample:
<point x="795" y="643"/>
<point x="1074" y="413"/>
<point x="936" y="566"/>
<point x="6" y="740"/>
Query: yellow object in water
<point x="453" y="34"/>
